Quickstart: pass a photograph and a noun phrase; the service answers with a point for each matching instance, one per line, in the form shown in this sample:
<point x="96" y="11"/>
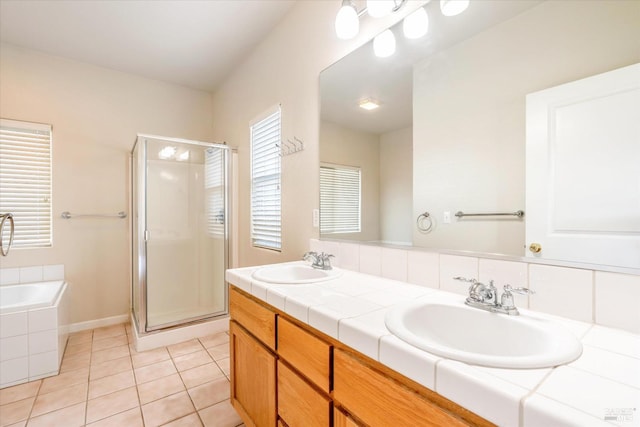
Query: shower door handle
<point x="147" y="235"/>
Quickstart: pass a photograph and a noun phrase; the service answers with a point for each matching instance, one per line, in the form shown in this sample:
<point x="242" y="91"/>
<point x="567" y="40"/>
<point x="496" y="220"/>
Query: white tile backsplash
<point x="453" y="266"/>
<point x="370" y="260"/>
<point x="31" y="274"/>
<point x="618" y="301"/>
<point x="53" y="272"/>
<point x="600" y="297"/>
<point x="562" y="291"/>
<point x="423" y="268"/>
<point x="394" y="264"/>
<point x="503" y="273"/>
<point x="9" y="276"/>
<point x="349" y="255"/>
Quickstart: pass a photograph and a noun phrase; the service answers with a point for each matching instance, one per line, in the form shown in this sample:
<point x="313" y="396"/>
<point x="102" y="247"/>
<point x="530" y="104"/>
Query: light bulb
<point x="347" y="23"/>
<point x="384" y="44"/>
<point x="416" y="25"/>
<point x="453" y="7"/>
<point x="380" y="8"/>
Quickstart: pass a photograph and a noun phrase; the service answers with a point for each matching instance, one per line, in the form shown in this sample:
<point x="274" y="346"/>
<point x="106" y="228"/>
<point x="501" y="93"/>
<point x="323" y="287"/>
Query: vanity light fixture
<point x="347" y="22"/>
<point x="368" y="104"/>
<point x="416" y="25"/>
<point x="453" y="7"/>
<point x="384" y="44"/>
<point x="380" y="8"/>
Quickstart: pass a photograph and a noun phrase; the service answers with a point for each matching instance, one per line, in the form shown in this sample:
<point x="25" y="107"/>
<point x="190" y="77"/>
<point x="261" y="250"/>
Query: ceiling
<point x="190" y="43"/>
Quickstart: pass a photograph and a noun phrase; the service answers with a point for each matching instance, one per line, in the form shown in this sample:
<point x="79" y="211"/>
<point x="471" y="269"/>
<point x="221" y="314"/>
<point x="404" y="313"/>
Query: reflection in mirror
<point x="449" y="132"/>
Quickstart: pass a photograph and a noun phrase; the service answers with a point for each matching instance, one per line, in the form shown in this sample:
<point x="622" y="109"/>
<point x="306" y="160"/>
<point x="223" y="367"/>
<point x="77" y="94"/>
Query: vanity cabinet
<point x="253" y="360"/>
<point x="286" y="373"/>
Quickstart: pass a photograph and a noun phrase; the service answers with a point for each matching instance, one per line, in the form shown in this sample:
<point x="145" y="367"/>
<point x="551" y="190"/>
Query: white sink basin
<point x="471" y="335"/>
<point x="291" y="274"/>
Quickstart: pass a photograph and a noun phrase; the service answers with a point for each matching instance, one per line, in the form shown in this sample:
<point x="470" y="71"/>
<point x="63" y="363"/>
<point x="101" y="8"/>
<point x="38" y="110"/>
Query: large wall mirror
<point x="449" y="134"/>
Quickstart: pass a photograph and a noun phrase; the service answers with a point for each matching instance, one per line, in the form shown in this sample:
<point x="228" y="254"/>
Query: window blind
<point x="266" y="226"/>
<point x="214" y="171"/>
<point x="339" y="199"/>
<point x="25" y="181"/>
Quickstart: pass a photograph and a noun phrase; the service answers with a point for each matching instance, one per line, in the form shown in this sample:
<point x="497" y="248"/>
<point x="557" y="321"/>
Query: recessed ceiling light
<point x="368" y="104"/>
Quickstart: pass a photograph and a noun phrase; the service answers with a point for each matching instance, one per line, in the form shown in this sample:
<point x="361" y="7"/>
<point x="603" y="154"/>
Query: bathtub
<point x="33" y="330"/>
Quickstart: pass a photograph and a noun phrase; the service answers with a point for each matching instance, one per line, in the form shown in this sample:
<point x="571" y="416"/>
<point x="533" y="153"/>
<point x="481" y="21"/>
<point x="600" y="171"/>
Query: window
<point x="25" y="181"/>
<point x="339" y="199"/>
<point x="266" y="226"/>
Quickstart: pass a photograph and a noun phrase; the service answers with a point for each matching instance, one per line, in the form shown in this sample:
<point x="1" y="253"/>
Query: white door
<point x="583" y="170"/>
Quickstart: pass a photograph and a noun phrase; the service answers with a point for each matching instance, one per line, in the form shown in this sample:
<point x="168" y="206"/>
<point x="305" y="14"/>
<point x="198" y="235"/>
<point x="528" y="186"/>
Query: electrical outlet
<point x="316" y="218"/>
<point x="447" y="217"/>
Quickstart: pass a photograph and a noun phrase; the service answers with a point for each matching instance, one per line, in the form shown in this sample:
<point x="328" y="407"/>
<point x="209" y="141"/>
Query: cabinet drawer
<point x="373" y="397"/>
<point x="340" y="419"/>
<point x="254" y="316"/>
<point x="299" y="404"/>
<point x="310" y="355"/>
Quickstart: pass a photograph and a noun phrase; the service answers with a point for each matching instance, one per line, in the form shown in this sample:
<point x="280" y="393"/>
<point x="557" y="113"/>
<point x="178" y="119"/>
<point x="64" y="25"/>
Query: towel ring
<point x="424" y="222"/>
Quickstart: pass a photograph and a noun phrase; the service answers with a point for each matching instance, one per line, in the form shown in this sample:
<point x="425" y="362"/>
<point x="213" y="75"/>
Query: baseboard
<point x="98" y="323"/>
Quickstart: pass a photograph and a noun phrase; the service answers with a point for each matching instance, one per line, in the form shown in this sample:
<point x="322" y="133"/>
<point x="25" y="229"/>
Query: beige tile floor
<point x="103" y="381"/>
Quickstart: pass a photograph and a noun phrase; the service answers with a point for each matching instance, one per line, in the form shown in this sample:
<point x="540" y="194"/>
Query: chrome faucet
<point x="485" y="297"/>
<point x="321" y="261"/>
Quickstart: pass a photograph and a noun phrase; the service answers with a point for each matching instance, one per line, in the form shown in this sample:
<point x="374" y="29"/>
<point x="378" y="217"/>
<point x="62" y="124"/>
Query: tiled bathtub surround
<point x="352" y="309"/>
<point x="32" y="340"/>
<point x="40" y="273"/>
<point x="593" y="296"/>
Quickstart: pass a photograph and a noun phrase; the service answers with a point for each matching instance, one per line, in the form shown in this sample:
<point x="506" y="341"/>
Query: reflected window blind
<point x="25" y="181"/>
<point x="214" y="191"/>
<point x="339" y="199"/>
<point x="266" y="226"/>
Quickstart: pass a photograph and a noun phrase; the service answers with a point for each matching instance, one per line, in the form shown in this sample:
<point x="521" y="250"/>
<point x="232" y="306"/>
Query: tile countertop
<point x="601" y="388"/>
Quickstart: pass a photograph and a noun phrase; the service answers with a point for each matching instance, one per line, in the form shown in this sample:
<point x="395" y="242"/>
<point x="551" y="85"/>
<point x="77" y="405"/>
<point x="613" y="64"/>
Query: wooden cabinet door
<point x="253" y="378"/>
<point x="299" y="404"/>
<point x="340" y="419"/>
<point x="380" y="401"/>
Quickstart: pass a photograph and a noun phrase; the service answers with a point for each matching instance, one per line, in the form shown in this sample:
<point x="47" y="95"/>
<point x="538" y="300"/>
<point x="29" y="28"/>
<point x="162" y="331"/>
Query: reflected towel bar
<point x="519" y="214"/>
<point x="69" y="215"/>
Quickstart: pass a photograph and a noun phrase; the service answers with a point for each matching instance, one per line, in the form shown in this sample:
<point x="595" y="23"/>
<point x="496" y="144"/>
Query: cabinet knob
<point x="535" y="248"/>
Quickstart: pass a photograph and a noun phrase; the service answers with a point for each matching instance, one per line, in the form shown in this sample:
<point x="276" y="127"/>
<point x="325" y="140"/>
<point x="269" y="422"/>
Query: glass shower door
<point x="186" y="247"/>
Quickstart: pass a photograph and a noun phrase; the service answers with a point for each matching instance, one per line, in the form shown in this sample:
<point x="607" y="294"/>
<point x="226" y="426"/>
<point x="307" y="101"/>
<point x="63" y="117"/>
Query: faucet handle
<point x="464" y="279"/>
<point x="522" y="291"/>
<point x="507" y="297"/>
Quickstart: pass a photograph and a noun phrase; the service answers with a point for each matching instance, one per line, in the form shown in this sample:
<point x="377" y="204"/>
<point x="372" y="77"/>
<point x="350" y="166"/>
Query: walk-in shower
<point x="180" y="232"/>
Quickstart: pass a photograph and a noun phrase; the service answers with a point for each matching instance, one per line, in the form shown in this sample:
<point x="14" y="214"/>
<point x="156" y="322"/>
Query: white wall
<point x="349" y="147"/>
<point x="284" y="69"/>
<point x="396" y="183"/>
<point x="95" y="113"/>
<point x="469" y="112"/>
